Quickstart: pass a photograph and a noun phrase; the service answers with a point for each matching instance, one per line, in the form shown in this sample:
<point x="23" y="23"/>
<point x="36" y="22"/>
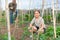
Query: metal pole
<point x="8" y="20"/>
<point x="54" y="19"/>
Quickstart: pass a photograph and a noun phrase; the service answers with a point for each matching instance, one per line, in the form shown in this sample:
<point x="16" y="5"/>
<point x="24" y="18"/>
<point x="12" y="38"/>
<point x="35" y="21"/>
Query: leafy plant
<point x="5" y="37"/>
<point x="47" y="18"/>
<point x="58" y="17"/>
<point x="48" y="35"/>
<point x="26" y="33"/>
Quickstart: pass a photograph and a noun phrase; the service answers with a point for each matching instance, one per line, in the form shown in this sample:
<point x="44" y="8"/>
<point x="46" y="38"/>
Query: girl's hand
<point x="29" y="28"/>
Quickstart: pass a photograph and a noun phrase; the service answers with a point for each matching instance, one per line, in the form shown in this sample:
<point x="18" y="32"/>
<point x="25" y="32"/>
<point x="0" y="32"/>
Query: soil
<point x="17" y="32"/>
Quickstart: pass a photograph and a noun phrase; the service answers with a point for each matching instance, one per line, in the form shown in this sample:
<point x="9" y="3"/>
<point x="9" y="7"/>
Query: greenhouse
<point x="16" y="17"/>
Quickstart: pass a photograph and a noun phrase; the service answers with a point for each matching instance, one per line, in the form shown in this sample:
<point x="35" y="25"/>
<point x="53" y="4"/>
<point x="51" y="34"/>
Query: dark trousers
<point x="12" y="18"/>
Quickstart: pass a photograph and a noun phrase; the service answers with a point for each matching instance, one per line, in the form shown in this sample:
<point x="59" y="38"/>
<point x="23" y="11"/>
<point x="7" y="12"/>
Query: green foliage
<point x="47" y="18"/>
<point x="3" y="13"/>
<point x="3" y="21"/>
<point x="48" y="35"/>
<point x="26" y="33"/>
<point x="28" y="17"/>
<point x="58" y="38"/>
<point x="5" y="37"/>
<point x="58" y="17"/>
<point x="58" y="31"/>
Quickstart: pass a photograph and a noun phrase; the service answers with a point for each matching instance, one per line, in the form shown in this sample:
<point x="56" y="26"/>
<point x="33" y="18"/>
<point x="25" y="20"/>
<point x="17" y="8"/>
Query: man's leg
<point x="11" y="21"/>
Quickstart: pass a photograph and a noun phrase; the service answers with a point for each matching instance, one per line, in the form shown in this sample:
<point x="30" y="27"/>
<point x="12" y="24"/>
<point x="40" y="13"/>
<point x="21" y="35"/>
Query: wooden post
<point x="54" y="19"/>
<point x="0" y="16"/>
<point x="29" y="17"/>
<point x="8" y="20"/>
<point x="32" y="34"/>
<point x="0" y="10"/>
<point x="56" y="8"/>
<point x="43" y="1"/>
<point x="29" y="9"/>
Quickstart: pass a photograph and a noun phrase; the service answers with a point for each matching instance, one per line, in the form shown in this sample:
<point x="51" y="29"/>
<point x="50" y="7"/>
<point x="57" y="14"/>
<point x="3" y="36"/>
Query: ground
<point x="16" y="32"/>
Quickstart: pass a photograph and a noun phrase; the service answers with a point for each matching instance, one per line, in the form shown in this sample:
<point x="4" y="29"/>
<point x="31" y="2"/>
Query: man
<point x="12" y="10"/>
<point x="37" y="23"/>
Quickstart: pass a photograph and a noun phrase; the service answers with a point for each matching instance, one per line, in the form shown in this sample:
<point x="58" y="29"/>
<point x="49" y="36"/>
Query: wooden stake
<point x="43" y="1"/>
<point x="54" y="19"/>
<point x="29" y="9"/>
<point x="43" y="7"/>
<point x="0" y="9"/>
<point x="38" y="36"/>
<point x="56" y="7"/>
<point x="29" y="17"/>
<point x="8" y="20"/>
<point x="32" y="34"/>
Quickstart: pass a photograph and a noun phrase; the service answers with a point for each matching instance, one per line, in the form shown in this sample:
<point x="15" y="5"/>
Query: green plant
<point x="48" y="35"/>
<point x="28" y="17"/>
<point x="26" y="33"/>
<point x="58" y="17"/>
<point x="5" y="37"/>
<point x="47" y="18"/>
